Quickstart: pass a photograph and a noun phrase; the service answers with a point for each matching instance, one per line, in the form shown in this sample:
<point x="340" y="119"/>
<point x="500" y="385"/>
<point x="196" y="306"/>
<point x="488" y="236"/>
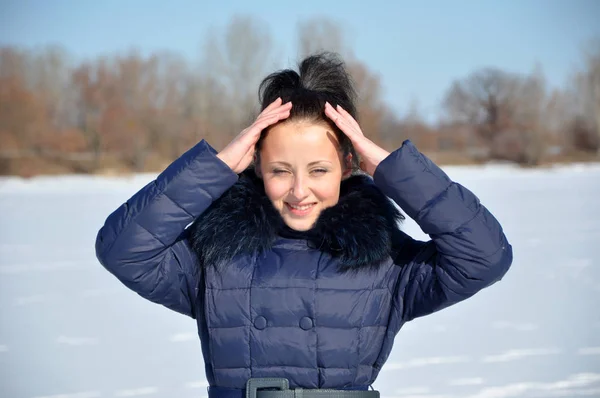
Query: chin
<point x="299" y="225"/>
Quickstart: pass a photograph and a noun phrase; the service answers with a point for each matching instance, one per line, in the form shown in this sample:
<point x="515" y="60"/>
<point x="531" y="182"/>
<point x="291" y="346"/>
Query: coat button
<point x="260" y="322"/>
<point x="306" y="323"/>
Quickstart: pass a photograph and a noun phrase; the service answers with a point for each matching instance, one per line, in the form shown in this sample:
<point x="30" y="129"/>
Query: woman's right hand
<point x="238" y="154"/>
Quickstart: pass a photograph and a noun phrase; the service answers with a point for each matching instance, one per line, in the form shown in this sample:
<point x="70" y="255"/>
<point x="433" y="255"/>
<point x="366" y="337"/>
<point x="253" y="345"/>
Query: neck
<point x="288" y="232"/>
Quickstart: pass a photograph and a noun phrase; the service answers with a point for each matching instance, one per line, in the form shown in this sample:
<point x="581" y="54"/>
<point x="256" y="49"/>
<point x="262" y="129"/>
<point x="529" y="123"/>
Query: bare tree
<point x="557" y="115"/>
<point x="13" y="64"/>
<point x="587" y="92"/>
<point x="208" y="102"/>
<point x="22" y="121"/>
<point x="167" y="122"/>
<point x="50" y="76"/>
<point x="530" y="101"/>
<point x="239" y="62"/>
<point x="484" y="98"/>
<point x="88" y="82"/>
<point x="371" y="110"/>
<point x="321" y="34"/>
<point x="504" y="108"/>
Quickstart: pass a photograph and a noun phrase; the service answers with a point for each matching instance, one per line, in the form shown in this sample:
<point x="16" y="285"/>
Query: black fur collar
<point x="358" y="230"/>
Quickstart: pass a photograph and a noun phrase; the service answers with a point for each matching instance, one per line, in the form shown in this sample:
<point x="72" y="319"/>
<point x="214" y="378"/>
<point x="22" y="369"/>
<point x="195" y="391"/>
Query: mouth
<point x="300" y="209"/>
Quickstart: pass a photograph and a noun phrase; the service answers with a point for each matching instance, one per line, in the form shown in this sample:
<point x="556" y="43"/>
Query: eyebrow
<point x="310" y="164"/>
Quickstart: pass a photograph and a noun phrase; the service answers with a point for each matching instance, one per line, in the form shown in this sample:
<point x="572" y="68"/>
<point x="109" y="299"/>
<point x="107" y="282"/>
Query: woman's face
<point x="302" y="166"/>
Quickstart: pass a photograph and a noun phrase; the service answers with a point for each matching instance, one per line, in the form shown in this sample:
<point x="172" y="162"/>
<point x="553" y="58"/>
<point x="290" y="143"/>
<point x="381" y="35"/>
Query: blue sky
<point x="417" y="47"/>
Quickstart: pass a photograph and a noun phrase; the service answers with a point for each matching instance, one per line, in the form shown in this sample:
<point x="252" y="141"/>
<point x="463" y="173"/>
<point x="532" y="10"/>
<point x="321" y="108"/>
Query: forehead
<point x="300" y="139"/>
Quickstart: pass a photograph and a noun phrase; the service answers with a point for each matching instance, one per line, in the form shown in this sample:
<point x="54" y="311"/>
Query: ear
<point x="347" y="167"/>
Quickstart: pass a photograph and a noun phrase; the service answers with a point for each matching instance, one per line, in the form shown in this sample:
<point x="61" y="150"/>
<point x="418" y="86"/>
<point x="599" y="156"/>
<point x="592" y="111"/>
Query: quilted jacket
<point x="321" y="309"/>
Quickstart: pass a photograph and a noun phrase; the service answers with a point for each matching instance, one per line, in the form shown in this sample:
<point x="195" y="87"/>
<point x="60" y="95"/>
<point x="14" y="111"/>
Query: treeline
<point x="133" y="112"/>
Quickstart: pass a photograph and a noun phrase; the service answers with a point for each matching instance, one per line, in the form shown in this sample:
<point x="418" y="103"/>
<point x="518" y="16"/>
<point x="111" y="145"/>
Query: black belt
<point x="256" y="388"/>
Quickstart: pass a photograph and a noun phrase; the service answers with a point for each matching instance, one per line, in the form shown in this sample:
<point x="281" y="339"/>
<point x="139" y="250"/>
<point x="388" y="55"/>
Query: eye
<point x="319" y="171"/>
<point x="279" y="171"/>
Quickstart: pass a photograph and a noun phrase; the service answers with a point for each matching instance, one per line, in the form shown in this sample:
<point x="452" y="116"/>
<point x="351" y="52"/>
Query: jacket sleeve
<point x="142" y="242"/>
<point x="468" y="250"/>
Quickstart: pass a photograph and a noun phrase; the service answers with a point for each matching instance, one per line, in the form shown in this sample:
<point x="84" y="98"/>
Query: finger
<point x="331" y="112"/>
<point x="281" y="114"/>
<point x="278" y="111"/>
<point x="349" y="118"/>
<point x="339" y="120"/>
<point x="272" y="105"/>
<point x="267" y="121"/>
<point x="352" y="128"/>
<point x="275" y="109"/>
<point x="253" y="134"/>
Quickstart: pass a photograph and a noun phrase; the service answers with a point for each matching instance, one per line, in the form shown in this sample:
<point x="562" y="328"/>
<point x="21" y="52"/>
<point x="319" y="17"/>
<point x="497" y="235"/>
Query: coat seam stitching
<point x="319" y="378"/>
<point x="178" y="205"/>
<point x="250" y="323"/>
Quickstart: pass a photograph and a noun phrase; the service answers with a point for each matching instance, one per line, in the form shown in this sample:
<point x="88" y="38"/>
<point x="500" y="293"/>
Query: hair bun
<point x="326" y="72"/>
<point x="324" y="75"/>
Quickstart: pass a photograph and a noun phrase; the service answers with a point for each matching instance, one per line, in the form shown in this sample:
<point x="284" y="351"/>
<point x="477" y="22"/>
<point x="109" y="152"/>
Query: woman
<point x="288" y="256"/>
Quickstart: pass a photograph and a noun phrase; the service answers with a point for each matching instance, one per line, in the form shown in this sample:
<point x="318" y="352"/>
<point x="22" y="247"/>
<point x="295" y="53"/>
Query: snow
<point x="69" y="329"/>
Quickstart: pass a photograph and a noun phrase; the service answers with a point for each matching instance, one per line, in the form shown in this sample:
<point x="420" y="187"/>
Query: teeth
<point x="306" y="207"/>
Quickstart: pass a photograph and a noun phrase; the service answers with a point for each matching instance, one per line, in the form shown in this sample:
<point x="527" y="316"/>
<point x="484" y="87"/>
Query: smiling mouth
<point x="300" y="210"/>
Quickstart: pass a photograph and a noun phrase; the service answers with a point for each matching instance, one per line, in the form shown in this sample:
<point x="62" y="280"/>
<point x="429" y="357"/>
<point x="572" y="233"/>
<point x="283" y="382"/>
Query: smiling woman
<point x="294" y="264"/>
<point x="301" y="166"/>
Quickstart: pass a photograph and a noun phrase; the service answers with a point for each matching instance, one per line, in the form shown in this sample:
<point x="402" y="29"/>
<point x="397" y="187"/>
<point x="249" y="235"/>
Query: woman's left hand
<point x="370" y="153"/>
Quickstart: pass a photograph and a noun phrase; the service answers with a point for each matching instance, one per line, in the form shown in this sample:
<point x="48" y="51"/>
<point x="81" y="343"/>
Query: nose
<point x="299" y="188"/>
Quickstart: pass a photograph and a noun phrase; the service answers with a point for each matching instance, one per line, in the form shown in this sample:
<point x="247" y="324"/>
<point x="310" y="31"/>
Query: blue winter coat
<point x="321" y="310"/>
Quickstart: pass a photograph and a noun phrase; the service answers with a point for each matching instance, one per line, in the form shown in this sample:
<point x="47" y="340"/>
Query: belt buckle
<point x="252" y="385"/>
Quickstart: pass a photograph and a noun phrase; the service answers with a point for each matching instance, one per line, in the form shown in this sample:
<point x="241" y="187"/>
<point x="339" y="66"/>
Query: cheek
<point x="276" y="189"/>
<point x="328" y="191"/>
